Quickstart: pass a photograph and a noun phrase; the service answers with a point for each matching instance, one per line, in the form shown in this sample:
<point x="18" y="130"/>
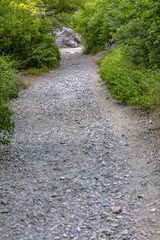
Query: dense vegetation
<point x="10" y="84"/>
<point x="135" y="24"/>
<point x="27" y="41"/>
<point x="132" y="68"/>
<point x="129" y="83"/>
<point x="61" y="11"/>
<point x="24" y="34"/>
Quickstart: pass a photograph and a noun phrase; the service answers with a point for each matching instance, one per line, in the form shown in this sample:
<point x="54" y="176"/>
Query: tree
<point x="23" y="30"/>
<point x="140" y="32"/>
<point x="133" y="23"/>
<point x="93" y="23"/>
<point x="61" y="11"/>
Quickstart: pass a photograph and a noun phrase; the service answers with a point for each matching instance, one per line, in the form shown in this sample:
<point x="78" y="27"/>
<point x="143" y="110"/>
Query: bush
<point x="128" y="83"/>
<point x="138" y="30"/>
<point x="42" y="54"/>
<point x="135" y="24"/>
<point x="10" y="85"/>
<point x="93" y="24"/>
<point x="28" y="38"/>
<point x="102" y="57"/>
<point x="6" y="124"/>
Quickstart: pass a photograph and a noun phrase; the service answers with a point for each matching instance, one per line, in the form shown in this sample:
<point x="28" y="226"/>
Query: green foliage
<point x="10" y="85"/>
<point x="139" y="32"/>
<point x="102" y="57"/>
<point x="19" y="24"/>
<point x="36" y="71"/>
<point x="6" y="124"/>
<point x="135" y="24"/>
<point x="10" y="81"/>
<point x="40" y="55"/>
<point x="24" y="34"/>
<point x="61" y="11"/>
<point x="93" y="24"/>
<point x="129" y="84"/>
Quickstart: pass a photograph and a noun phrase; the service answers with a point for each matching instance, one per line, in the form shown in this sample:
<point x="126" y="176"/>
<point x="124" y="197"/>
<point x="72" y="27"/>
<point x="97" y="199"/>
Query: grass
<point x="35" y="71"/>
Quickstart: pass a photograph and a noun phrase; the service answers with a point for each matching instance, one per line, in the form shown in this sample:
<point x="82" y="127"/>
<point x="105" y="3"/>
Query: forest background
<point x="131" y="68"/>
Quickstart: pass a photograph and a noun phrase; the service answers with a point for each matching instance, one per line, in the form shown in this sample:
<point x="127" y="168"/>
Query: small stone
<point x="140" y="196"/>
<point x="89" y="227"/>
<point x="105" y="231"/>
<point x="54" y="194"/>
<point x="153" y="210"/>
<point x="68" y="190"/>
<point x="100" y="230"/>
<point x="143" y="233"/>
<point x="152" y="220"/>
<point x="65" y="235"/>
<point x="120" y="196"/>
<point x="125" y="232"/>
<point x="116" y="210"/>
<point x="4" y="210"/>
<point x="93" y="237"/>
<point x="105" y="204"/>
<point x="4" y="202"/>
<point x="115" y="225"/>
<point x="62" y="178"/>
<point x="104" y="214"/>
<point x="14" y="226"/>
<point x="79" y="229"/>
<point x="59" y="199"/>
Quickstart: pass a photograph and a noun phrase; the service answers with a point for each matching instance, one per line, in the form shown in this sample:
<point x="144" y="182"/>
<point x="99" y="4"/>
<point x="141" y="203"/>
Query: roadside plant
<point x="128" y="83"/>
<point x="10" y="85"/>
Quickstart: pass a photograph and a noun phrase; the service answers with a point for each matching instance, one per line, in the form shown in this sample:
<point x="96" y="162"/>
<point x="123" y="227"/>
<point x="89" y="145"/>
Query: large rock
<point x="66" y="37"/>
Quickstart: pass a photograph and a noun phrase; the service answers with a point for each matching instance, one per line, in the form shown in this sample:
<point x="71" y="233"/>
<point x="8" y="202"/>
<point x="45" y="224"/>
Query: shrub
<point x="42" y="54"/>
<point x="10" y="84"/>
<point x="27" y="38"/>
<point x="93" y="24"/>
<point x="6" y="124"/>
<point x="129" y="83"/>
<point x="135" y="24"/>
<point x="101" y="58"/>
<point x="6" y="76"/>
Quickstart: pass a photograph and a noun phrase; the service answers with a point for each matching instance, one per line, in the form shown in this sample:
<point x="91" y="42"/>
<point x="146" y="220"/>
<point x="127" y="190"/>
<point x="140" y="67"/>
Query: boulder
<point x="66" y="37"/>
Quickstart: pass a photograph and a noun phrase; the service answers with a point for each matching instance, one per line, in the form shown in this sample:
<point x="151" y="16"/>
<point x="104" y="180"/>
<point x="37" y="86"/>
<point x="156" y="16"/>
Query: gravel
<point x="79" y="166"/>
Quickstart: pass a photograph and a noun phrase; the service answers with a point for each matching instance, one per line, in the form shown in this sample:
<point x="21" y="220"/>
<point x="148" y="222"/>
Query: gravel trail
<point x="80" y="166"/>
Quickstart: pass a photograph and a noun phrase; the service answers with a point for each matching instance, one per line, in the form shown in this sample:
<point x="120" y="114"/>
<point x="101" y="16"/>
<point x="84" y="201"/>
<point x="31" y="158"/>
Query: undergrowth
<point x="10" y="85"/>
<point x="128" y="83"/>
<point x="101" y="58"/>
<point x="35" y="71"/>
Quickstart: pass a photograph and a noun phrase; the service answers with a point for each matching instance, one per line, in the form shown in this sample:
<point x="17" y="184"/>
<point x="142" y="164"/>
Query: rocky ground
<point x="80" y="166"/>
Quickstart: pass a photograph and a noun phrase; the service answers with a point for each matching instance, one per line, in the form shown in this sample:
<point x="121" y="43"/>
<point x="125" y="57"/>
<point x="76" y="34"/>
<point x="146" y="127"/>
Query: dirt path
<point x="80" y="166"/>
